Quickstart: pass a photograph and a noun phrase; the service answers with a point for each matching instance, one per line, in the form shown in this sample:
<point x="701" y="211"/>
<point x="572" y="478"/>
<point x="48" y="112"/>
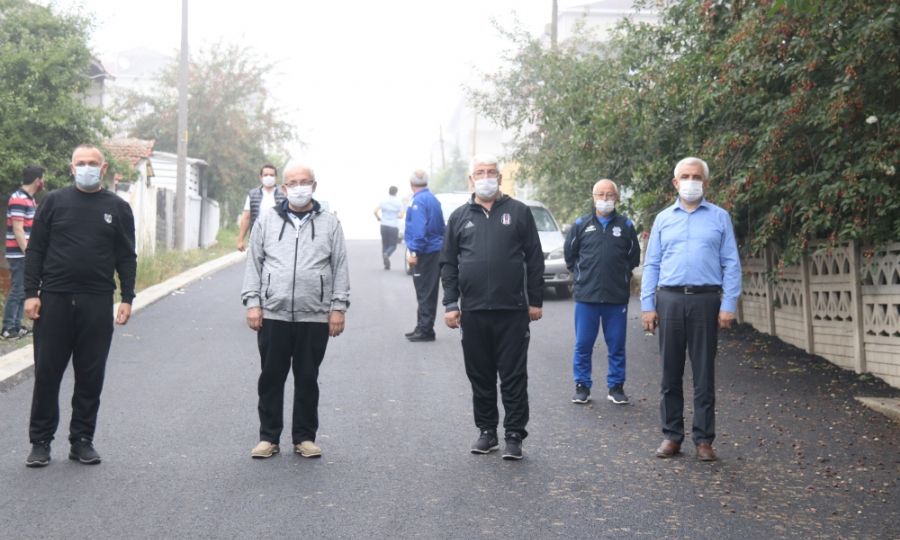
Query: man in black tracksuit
<point x="82" y="236"/>
<point x="492" y="271"/>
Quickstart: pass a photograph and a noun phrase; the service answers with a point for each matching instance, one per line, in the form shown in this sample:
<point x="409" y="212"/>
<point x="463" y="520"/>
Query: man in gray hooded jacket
<point x="296" y="290"/>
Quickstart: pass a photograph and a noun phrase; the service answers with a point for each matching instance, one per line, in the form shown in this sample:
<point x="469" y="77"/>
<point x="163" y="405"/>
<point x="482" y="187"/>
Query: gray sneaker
<point x="582" y="394"/>
<point x="39" y="456"/>
<point x="486" y="443"/>
<point x="513" y="450"/>
<point x="617" y="395"/>
<point x="83" y="451"/>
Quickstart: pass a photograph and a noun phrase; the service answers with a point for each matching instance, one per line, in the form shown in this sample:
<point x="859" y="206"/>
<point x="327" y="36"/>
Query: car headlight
<point x="556" y="254"/>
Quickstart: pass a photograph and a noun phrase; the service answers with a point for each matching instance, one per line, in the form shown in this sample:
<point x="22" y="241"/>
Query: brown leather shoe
<point x="668" y="449"/>
<point x="705" y="452"/>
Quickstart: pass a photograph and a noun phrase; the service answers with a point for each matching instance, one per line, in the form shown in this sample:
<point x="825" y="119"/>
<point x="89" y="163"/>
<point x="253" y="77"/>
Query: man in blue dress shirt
<point x="690" y="288"/>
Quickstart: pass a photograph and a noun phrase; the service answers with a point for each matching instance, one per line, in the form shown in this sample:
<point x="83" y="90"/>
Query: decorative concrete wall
<point x="836" y="303"/>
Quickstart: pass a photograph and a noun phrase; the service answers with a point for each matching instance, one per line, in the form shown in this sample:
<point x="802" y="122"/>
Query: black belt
<point x="693" y="289"/>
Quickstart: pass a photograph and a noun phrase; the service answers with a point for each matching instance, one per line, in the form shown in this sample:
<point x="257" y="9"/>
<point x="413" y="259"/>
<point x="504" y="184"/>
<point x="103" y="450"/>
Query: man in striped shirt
<point x="19" y="217"/>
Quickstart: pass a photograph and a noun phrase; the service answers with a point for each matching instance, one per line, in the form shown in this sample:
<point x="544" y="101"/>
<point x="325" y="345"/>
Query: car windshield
<point x="543" y="219"/>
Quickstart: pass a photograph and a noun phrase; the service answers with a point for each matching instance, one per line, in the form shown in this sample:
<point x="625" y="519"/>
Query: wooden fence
<point x="835" y="303"/>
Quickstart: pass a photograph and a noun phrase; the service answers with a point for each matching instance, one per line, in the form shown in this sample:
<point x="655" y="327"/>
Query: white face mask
<point x="299" y="196"/>
<point x="268" y="181"/>
<point x="486" y="188"/>
<point x="605" y="207"/>
<point x="87" y="176"/>
<point x="690" y="190"/>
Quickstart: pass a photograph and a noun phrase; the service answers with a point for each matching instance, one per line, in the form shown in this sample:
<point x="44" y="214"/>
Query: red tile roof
<point x="130" y="150"/>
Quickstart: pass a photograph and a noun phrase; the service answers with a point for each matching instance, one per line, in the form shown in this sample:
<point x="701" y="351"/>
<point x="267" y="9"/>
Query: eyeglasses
<point x="303" y="183"/>
<point x="605" y="196"/>
<point x="493" y="173"/>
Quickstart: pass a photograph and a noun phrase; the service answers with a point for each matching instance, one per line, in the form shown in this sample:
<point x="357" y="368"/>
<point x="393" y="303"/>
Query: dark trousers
<point x="15" y="300"/>
<point x="389" y="238"/>
<point x="80" y="327"/>
<point x="282" y="344"/>
<point x="496" y="342"/>
<point x="426" y="276"/>
<point x="688" y="322"/>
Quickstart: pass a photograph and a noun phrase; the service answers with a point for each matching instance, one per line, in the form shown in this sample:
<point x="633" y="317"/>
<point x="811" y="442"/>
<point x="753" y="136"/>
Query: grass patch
<point x="169" y="263"/>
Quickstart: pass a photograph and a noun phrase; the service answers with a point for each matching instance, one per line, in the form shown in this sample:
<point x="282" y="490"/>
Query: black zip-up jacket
<point x="492" y="260"/>
<point x="78" y="242"/>
<point x="602" y="259"/>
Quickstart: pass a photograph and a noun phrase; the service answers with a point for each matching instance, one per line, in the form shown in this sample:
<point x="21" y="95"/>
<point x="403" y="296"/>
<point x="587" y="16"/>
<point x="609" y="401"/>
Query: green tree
<point x="452" y="176"/>
<point x="232" y="124"/>
<point x="44" y="57"/>
<point x="792" y="103"/>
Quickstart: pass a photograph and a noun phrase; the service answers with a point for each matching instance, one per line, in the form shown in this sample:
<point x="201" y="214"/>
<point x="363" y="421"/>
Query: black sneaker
<point x="39" y="456"/>
<point x="23" y="332"/>
<point x="421" y="336"/>
<point x="411" y="334"/>
<point x="513" y="448"/>
<point x="387" y="262"/>
<point x="83" y="450"/>
<point x="617" y="395"/>
<point x="487" y="442"/>
<point x="9" y="334"/>
<point x="582" y="394"/>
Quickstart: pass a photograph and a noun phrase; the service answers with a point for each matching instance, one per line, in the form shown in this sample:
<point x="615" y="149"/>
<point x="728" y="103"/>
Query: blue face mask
<point x="87" y="176"/>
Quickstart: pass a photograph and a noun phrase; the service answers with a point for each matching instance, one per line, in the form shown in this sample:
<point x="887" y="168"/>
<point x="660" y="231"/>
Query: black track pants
<point x="496" y="342"/>
<point x="281" y="345"/>
<point x="80" y="327"/>
<point x="426" y="277"/>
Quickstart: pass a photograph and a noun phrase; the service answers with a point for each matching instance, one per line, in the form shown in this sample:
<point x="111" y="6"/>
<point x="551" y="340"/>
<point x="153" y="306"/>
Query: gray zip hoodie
<point x="295" y="273"/>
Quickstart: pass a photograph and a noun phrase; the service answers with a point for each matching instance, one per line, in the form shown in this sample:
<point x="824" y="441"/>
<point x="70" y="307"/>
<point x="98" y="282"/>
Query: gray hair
<point x="418" y="178"/>
<point x="692" y="161"/>
<point x="88" y="147"/>
<point x="614" y="185"/>
<point x="484" y="159"/>
<point x="295" y="166"/>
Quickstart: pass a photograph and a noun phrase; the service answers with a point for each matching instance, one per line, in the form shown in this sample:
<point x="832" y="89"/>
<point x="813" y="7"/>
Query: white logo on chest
<point x="107" y="218"/>
<point x="617" y="231"/>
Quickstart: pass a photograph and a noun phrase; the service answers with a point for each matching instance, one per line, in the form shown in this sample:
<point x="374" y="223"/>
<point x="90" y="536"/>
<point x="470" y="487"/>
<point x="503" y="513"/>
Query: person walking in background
<point x="296" y="289"/>
<point x="19" y="218"/>
<point x="424" y="236"/>
<point x="689" y="289"/>
<point x="601" y="251"/>
<point x="266" y="195"/>
<point x="389" y="212"/>
<point x="492" y="270"/>
<point x="82" y="236"/>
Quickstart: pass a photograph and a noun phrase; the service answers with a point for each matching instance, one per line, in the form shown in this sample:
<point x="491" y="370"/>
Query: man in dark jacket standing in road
<point x="296" y="289"/>
<point x="82" y="235"/>
<point x="492" y="270"/>
<point x="424" y="236"/>
<point x="601" y="251"/>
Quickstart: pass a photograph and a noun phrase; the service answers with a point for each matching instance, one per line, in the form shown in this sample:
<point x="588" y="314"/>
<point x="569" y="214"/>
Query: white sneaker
<point x="263" y="450"/>
<point x="308" y="449"/>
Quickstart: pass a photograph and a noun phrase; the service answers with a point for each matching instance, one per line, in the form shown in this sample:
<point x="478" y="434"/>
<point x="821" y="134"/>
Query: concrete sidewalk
<point x="19" y="364"/>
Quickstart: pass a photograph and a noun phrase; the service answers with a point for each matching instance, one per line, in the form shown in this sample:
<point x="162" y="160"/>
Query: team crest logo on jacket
<point x="504" y="219"/>
<point x="617" y="231"/>
<point x="107" y="218"/>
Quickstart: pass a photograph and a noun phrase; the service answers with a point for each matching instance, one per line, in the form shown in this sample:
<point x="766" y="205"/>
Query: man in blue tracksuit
<point x="601" y="251"/>
<point x="424" y="237"/>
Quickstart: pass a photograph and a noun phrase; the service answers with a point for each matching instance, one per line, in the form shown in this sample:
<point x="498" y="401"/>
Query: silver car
<point x="556" y="275"/>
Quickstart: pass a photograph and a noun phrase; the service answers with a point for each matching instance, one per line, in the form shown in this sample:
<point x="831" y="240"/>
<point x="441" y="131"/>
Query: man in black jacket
<point x="82" y="236"/>
<point x="601" y="251"/>
<point x="492" y="271"/>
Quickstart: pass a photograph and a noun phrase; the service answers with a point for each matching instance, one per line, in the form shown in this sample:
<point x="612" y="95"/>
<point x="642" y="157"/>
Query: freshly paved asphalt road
<point x="799" y="457"/>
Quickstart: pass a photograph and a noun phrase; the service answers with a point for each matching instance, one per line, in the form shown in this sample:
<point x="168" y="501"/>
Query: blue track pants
<point x="588" y="319"/>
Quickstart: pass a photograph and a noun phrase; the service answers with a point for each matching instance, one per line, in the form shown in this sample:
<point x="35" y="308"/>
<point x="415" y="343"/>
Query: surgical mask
<point x="605" y="207"/>
<point x="87" y="176"/>
<point x="690" y="190"/>
<point x="486" y="188"/>
<point x="299" y="196"/>
<point x="268" y="181"/>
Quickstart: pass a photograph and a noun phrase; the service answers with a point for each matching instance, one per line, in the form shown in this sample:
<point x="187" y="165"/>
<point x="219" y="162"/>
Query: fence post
<point x="807" y="304"/>
<point x="770" y="291"/>
<point x="856" y="308"/>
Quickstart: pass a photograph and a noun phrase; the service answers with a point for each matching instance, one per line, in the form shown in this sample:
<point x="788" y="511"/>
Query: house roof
<point x="130" y="150"/>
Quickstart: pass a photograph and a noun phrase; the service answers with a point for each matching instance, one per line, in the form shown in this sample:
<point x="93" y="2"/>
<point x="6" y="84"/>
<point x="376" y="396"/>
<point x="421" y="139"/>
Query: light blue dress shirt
<point x="692" y="248"/>
<point x="391" y="208"/>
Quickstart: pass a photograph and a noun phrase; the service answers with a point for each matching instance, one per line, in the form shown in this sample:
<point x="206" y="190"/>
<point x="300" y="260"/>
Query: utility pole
<point x="441" y="138"/>
<point x="554" y="23"/>
<point x="182" y="136"/>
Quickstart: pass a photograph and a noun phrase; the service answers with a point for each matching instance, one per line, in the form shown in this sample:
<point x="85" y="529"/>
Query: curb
<point x="19" y="364"/>
<point x="889" y="407"/>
